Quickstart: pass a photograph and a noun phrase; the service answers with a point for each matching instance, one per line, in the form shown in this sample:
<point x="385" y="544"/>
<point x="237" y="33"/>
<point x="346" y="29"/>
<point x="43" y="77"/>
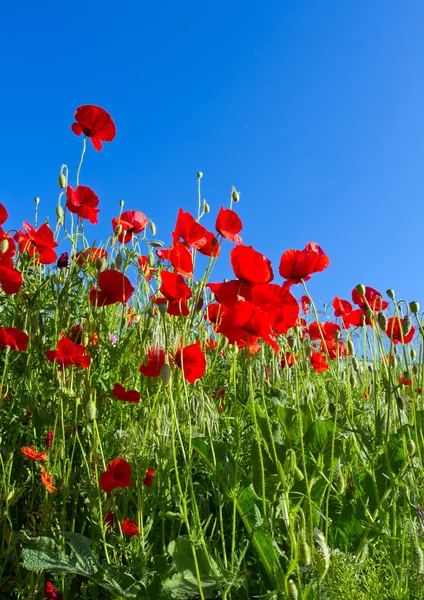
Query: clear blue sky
<point x="313" y="110"/>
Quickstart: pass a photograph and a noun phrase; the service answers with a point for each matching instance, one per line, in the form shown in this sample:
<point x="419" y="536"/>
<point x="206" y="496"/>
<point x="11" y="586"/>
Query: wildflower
<point x="305" y="304"/>
<point x="191" y="361"/>
<point x="229" y="225"/>
<point x="47" y="481"/>
<point x="89" y="255"/>
<point x="83" y="202"/>
<point x="39" y="243"/>
<point x="113" y="338"/>
<point x="51" y="592"/>
<point x="155" y="362"/>
<point x="95" y="123"/>
<point x="288" y="360"/>
<point x="49" y="439"/>
<point x="68" y="354"/>
<point x="176" y="292"/>
<point x="146" y="269"/>
<point x="131" y="222"/>
<point x="405" y="380"/>
<point x="148" y="479"/>
<point x="129" y="527"/>
<point x="195" y="235"/>
<point x="319" y="362"/>
<point x="63" y="262"/>
<point x="372" y="299"/>
<point x="118" y="474"/>
<point x="14" y="338"/>
<point x="395" y="331"/>
<point x="180" y="257"/>
<point x="250" y="265"/>
<point x="120" y="393"/>
<point x="31" y="453"/>
<point x="10" y="278"/>
<point x="113" y="287"/>
<point x="298" y="265"/>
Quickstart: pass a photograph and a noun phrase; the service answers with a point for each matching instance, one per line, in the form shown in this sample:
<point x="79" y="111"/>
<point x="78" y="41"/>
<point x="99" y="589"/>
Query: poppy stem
<point x="84" y="147"/>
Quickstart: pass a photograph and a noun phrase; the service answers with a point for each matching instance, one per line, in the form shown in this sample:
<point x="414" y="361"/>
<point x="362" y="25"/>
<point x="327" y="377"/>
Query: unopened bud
<point x="410" y="446"/>
<point x="352" y="380"/>
<point x="406" y="324"/>
<point x="304" y="553"/>
<point x="90" y="410"/>
<point x="118" y="230"/>
<point x="360" y="288"/>
<point x="4" y="246"/>
<point x="100" y="263"/>
<point x="414" y="307"/>
<point x="355" y="363"/>
<point x="199" y="305"/>
<point x="59" y="212"/>
<point x="62" y="181"/>
<point x="382" y="321"/>
<point x="119" y="260"/>
<point x="415" y="368"/>
<point x="121" y="204"/>
<point x="162" y="308"/>
<point x="157" y="244"/>
<point x="235" y="195"/>
<point x="165" y="374"/>
<point x="350" y="347"/>
<point x="413" y="354"/>
<point x="206" y="207"/>
<point x="37" y="201"/>
<point x="199" y="174"/>
<point x="391" y="294"/>
<point x="172" y="516"/>
<point x="152" y="227"/>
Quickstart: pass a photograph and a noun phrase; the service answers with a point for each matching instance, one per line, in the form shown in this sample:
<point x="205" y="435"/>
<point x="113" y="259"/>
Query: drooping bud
<point x="199" y="305"/>
<point x="118" y="230"/>
<point x="157" y="244"/>
<point x="206" y="207"/>
<point x="352" y="380"/>
<point x="419" y="559"/>
<point x="165" y="374"/>
<point x="406" y="324"/>
<point x="235" y="195"/>
<point x="62" y="181"/>
<point x="151" y="259"/>
<point x="391" y="294"/>
<point x="119" y="260"/>
<point x="360" y="288"/>
<point x="414" y="307"/>
<point x="152" y="227"/>
<point x="382" y="321"/>
<point x="415" y="368"/>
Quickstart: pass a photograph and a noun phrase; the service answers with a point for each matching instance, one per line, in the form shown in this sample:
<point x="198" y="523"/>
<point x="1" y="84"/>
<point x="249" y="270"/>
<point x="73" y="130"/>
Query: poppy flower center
<point x="88" y="132"/>
<point x="117" y="475"/>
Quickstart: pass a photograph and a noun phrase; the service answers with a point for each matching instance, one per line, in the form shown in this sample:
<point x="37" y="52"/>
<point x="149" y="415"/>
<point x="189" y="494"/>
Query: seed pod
<point x="382" y="321"/>
<point x="119" y="260"/>
<point x="235" y="195"/>
<point x="165" y="374"/>
<point x="59" y="212"/>
<point x="100" y="263"/>
<point x="414" y="307"/>
<point x="413" y="354"/>
<point x="360" y="288"/>
<point x="206" y="207"/>
<point x="355" y="363"/>
<point x="156" y="244"/>
<point x="406" y="324"/>
<point x="90" y="410"/>
<point x="350" y="347"/>
<point x="199" y="174"/>
<point x="62" y="181"/>
<point x="305" y="553"/>
<point x="152" y="227"/>
<point x="391" y="294"/>
<point x="292" y="589"/>
<point x="4" y="246"/>
<point x="410" y="446"/>
<point x="118" y="230"/>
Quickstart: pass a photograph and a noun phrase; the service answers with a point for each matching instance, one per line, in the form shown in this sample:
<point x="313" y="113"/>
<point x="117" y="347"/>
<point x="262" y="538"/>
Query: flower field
<point x="167" y="436"/>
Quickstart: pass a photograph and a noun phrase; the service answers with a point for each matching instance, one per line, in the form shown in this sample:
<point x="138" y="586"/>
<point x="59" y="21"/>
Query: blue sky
<point x="313" y="110"/>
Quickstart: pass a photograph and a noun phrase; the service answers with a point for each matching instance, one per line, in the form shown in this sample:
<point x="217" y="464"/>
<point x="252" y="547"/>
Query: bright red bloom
<point x="15" y="338"/>
<point x="120" y="393"/>
<point x="319" y="362"/>
<point x="405" y="380"/>
<point x="129" y="527"/>
<point x="214" y="313"/>
<point x="394" y="331"/>
<point x="38" y="243"/>
<point x="288" y="360"/>
<point x="155" y="362"/>
<point x="228" y="224"/>
<point x="47" y="481"/>
<point x="278" y="303"/>
<point x="51" y="592"/>
<point x="372" y="298"/>
<point x="148" y="479"/>
<point x="3" y="214"/>
<point x="10" y="278"/>
<point x="31" y="453"/>
<point x="230" y="292"/>
<point x="118" y="474"/>
<point x="250" y="265"/>
<point x="89" y="255"/>
<point x="76" y="334"/>
<point x="68" y="354"/>
<point x="180" y="258"/>
<point x="132" y="222"/>
<point x="191" y="361"/>
<point x="113" y="287"/>
<point x="95" y="123"/>
<point x="82" y="202"/>
<point x="317" y="331"/>
<point x="146" y="269"/>
<point x="174" y="287"/>
<point x="298" y="265"/>
<point x="195" y="235"/>
<point x="305" y="304"/>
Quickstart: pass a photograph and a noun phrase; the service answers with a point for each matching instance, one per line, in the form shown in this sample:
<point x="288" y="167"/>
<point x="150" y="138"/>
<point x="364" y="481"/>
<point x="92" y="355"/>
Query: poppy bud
<point x="165" y="374"/>
<point x="352" y="380"/>
<point x="206" y="207"/>
<point x="235" y="194"/>
<point x="151" y="259"/>
<point x="355" y="363"/>
<point x="391" y="294"/>
<point x="199" y="174"/>
<point x="156" y="244"/>
<point x="414" y="307"/>
<point x="118" y="260"/>
<point x="59" y="212"/>
<point x="162" y="308"/>
<point x="292" y="589"/>
<point x="382" y="321"/>
<point x="90" y="410"/>
<point x="337" y="335"/>
<point x="136" y="319"/>
<point x="37" y="201"/>
<point x="368" y="313"/>
<point x="171" y="516"/>
<point x="152" y="227"/>
<point x="199" y="305"/>
<point x="410" y="446"/>
<point x="100" y="263"/>
<point x="290" y="342"/>
<point x="415" y="368"/>
<point x="4" y="246"/>
<point x="350" y="347"/>
<point x="121" y="204"/>
<point x="360" y="288"/>
<point x="62" y="181"/>
<point x="406" y="324"/>
<point x="118" y="230"/>
<point x="413" y="354"/>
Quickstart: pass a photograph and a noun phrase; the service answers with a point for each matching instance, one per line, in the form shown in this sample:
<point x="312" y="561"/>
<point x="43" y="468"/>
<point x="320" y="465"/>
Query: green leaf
<point x="81" y="550"/>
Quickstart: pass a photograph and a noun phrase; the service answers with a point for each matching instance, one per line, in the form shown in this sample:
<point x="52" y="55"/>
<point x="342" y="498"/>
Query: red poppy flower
<point x="327" y="330"/>
<point x="288" y="360"/>
<point x="228" y="224"/>
<point x="372" y="299"/>
<point x="129" y="527"/>
<point x="10" y="278"/>
<point x="298" y="265"/>
<point x="319" y="362"/>
<point x="120" y="393"/>
<point x="250" y="265"/>
<point x="395" y="333"/>
<point x="118" y="474"/>
<point x="47" y="481"/>
<point x="405" y="380"/>
<point x="10" y="251"/>
<point x="15" y="338"/>
<point x="214" y="313"/>
<point x="68" y="354"/>
<point x="195" y="235"/>
<point x="95" y="123"/>
<point x="146" y="269"/>
<point x="76" y="334"/>
<point x="89" y="255"/>
<point x="155" y="362"/>
<point x="83" y="202"/>
<point x="51" y="592"/>
<point x="180" y="258"/>
<point x="305" y="304"/>
<point x="109" y="519"/>
<point x="148" y="479"/>
<point x="278" y="303"/>
<point x="113" y="287"/>
<point x="191" y="361"/>
<point x="38" y="243"/>
<point x="31" y="453"/>
<point x="132" y="222"/>
<point x="3" y="214"/>
<point x="230" y="292"/>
